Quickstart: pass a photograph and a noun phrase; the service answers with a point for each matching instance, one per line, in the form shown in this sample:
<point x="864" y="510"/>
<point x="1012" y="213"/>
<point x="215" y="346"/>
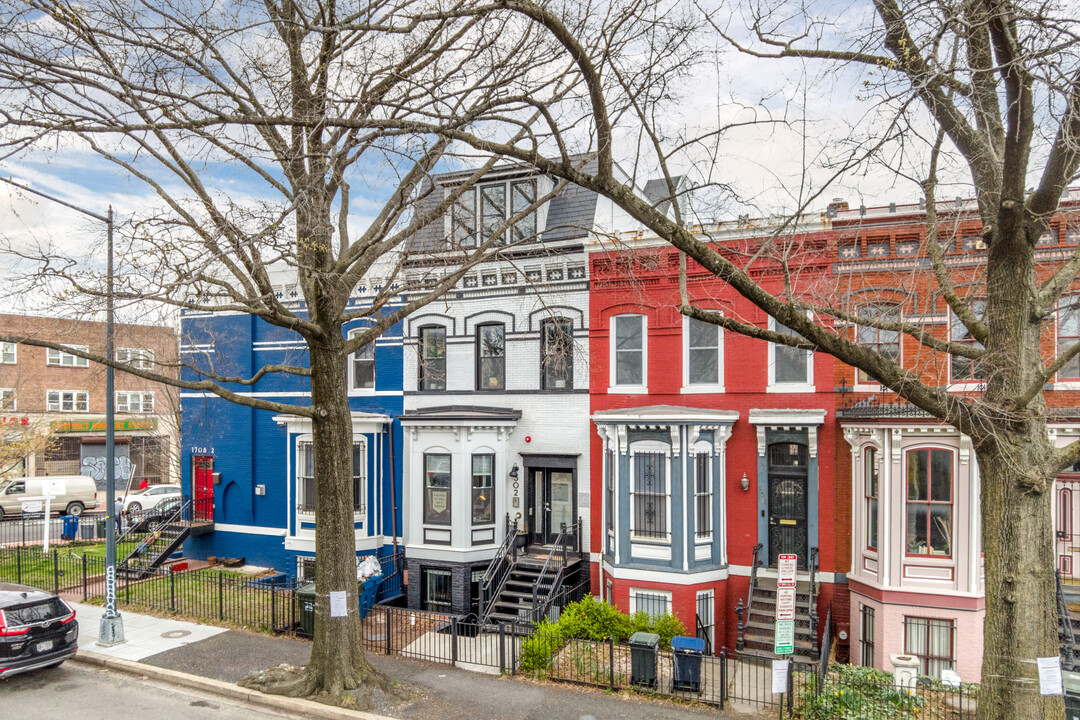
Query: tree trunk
<point x="1014" y="453"/>
<point x="1021" y="607"/>
<point x="337" y="655"/>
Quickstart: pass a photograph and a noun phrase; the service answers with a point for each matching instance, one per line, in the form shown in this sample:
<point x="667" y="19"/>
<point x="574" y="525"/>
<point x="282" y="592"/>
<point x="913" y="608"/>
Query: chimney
<point x="834" y="208"/>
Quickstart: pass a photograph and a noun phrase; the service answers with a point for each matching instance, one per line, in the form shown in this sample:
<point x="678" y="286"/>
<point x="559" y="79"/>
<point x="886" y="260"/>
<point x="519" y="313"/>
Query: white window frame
<point x="711" y="491"/>
<point x="59" y="358"/>
<point x="636" y="591"/>
<point x="871" y="384"/>
<point x="12" y="349"/>
<point x="353" y="389"/>
<point x="649" y="447"/>
<point x="614" y="387"/>
<point x="687" y="386"/>
<point x="789" y="387"/>
<point x="1065" y="303"/>
<point x="360" y="511"/>
<point x="540" y="186"/>
<point x="136" y="357"/>
<point x="951" y="318"/>
<point x="123" y="401"/>
<point x="5" y="395"/>
<point x="58" y="406"/>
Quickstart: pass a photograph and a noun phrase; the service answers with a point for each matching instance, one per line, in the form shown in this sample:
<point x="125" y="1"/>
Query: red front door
<point x="203" y="483"/>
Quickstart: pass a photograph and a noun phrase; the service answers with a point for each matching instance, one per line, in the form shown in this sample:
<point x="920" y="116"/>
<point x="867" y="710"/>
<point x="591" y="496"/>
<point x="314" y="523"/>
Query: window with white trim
<point x="67" y="401"/>
<point x="7" y="399"/>
<point x="483" y="489"/>
<point x="432" y="357"/>
<point x="789" y="367"/>
<point x="8" y="353"/>
<point x="702" y="354"/>
<point x="703" y="495"/>
<point x="64" y="359"/>
<point x="883" y="342"/>
<point x="649" y="516"/>
<point x="629" y="358"/>
<point x="653" y="603"/>
<point x="136" y="357"/>
<point x="870" y="475"/>
<point x="494" y="204"/>
<point x="362" y="365"/>
<point x="135" y="401"/>
<point x="963" y="369"/>
<point x="491" y="356"/>
<point x="929" y="502"/>
<point x="1068" y="334"/>
<point x="305" y="476"/>
<point x="931" y="641"/>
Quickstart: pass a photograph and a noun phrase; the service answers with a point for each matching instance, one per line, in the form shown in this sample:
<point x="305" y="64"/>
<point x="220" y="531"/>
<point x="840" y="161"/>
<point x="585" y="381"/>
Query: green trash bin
<point x="1071" y="682"/>
<point x="643" y="649"/>
<point x="101" y="527"/>
<point x="305" y="596"/>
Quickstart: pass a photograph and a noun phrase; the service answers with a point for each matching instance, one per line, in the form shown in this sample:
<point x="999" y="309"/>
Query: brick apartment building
<point x="55" y="401"/>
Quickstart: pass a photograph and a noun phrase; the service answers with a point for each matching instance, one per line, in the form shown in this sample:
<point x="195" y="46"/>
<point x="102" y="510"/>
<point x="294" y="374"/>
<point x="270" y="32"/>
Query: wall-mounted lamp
<point x="745" y="482"/>
<point x="514" y="471"/>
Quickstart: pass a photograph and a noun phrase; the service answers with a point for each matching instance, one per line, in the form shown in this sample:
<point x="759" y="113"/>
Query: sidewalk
<point x="442" y="691"/>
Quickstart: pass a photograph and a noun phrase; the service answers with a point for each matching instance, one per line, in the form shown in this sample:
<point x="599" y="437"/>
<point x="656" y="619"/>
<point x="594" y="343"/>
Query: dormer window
<point x="493" y="204"/>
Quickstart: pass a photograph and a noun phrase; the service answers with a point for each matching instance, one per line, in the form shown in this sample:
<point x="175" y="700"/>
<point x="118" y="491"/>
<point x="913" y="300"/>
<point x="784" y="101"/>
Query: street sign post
<point x="786" y="567"/>
<point x="784" y="637"/>
<point x="784" y="630"/>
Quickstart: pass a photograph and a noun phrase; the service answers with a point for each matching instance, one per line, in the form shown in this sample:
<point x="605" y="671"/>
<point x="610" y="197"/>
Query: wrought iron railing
<point x="550" y="578"/>
<point x="1066" y="633"/>
<point x="826" y="649"/>
<point x="744" y="610"/>
<point x="499" y="569"/>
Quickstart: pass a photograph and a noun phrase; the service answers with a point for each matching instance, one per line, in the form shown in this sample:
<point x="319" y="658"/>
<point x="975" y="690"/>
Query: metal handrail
<point x="812" y="609"/>
<point x="178" y="514"/>
<point x="740" y="609"/>
<point x="826" y="650"/>
<point x="540" y="605"/>
<point x="499" y="569"/>
<point x="1069" y="650"/>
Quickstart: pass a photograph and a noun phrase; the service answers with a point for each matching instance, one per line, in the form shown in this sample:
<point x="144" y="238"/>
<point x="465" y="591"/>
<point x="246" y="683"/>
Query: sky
<point x="764" y="168"/>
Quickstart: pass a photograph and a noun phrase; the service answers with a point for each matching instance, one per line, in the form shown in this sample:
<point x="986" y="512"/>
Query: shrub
<point x="668" y="626"/>
<point x="592" y="619"/>
<point x="538" y="649"/>
<point x="857" y="693"/>
<point x="640" y="622"/>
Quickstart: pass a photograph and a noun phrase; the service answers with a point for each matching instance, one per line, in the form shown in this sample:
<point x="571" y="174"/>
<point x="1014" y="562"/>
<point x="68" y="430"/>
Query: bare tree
<point x="992" y="87"/>
<point x="220" y="112"/>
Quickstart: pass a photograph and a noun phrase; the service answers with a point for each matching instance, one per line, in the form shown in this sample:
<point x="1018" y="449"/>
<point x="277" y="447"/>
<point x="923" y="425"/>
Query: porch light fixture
<point x="514" y="471"/>
<point x="744" y="483"/>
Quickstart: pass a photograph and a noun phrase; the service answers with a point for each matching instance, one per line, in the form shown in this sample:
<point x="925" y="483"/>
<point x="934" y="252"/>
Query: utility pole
<point x="111" y="629"/>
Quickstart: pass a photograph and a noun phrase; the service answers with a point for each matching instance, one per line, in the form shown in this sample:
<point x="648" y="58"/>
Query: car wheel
<point x="75" y="508"/>
<point x="134" y="507"/>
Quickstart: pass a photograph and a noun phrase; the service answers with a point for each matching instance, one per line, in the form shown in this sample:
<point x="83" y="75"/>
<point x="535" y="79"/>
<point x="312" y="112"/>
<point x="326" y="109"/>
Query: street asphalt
<point x="86" y="693"/>
<point x="440" y="691"/>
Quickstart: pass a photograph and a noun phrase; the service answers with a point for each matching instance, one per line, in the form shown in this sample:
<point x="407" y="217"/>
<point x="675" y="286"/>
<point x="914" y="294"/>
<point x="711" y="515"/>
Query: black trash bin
<point x="687" y="653"/>
<point x="305" y="597"/>
<point x="643" y="646"/>
<point x="70" y="528"/>
<point x="1071" y="682"/>
<point x="101" y="524"/>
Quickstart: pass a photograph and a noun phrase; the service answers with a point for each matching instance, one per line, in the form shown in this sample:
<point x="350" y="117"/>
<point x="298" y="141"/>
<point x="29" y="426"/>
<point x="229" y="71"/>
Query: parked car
<point x="151" y="518"/>
<point x="151" y="496"/>
<point x="80" y="493"/>
<point x="37" y="629"/>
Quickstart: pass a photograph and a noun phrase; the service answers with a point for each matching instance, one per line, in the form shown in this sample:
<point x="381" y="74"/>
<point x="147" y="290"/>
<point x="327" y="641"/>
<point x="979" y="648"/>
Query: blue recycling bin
<point x="71" y="527"/>
<point x="368" y="589"/>
<point x="687" y="653"/>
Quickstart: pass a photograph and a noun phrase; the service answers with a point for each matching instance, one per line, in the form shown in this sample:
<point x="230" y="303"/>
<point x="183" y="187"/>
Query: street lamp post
<point x="111" y="629"/>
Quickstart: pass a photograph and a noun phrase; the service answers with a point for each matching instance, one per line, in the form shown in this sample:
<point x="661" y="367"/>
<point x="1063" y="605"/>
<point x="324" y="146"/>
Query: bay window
<point x="929" y="502"/>
<point x="649" y="518"/>
<point x="870" y="475"/>
<point x="483" y="489"/>
<point x="437" y="490"/>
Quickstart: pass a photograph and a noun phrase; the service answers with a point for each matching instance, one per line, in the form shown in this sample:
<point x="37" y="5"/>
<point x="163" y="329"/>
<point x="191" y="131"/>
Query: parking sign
<point x="786" y="567"/>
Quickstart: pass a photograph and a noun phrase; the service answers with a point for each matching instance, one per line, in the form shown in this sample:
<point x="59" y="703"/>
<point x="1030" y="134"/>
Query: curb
<point x="296" y="706"/>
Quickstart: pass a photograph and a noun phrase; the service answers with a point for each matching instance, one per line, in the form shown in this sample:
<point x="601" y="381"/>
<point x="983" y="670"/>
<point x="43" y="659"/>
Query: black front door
<point x="552" y="505"/>
<point x="788" y="484"/>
